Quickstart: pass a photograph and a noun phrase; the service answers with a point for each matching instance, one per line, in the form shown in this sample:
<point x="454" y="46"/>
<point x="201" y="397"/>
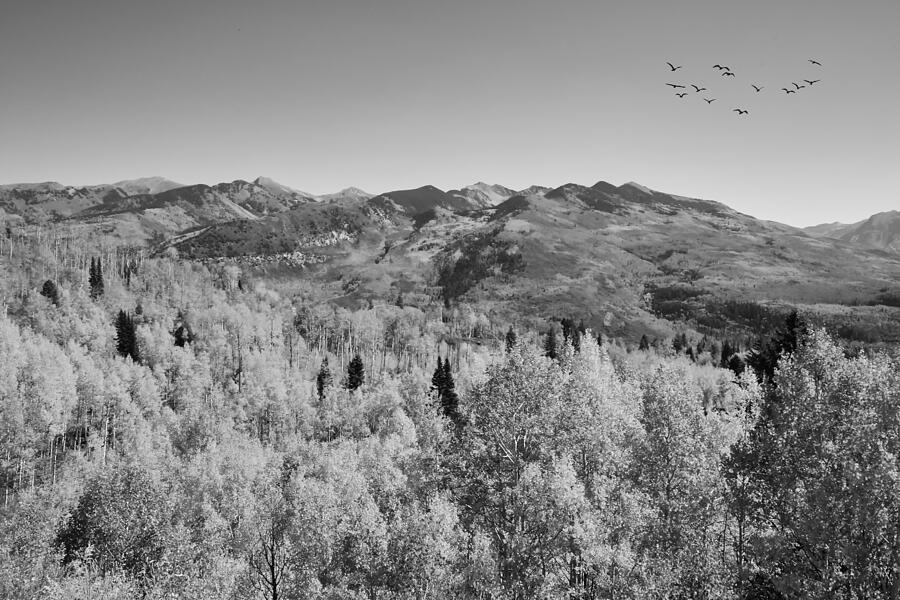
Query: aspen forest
<point x="174" y="428"/>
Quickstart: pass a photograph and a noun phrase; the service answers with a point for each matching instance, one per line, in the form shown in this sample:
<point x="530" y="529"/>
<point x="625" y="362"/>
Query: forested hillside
<point x="174" y="429"/>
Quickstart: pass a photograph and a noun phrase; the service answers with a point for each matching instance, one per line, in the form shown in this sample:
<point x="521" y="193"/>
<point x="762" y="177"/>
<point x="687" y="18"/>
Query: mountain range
<point x="881" y="230"/>
<point x="626" y="259"/>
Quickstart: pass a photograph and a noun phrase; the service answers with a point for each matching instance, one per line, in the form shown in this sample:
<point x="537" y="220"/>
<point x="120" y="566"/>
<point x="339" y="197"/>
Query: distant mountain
<point x="484" y="195"/>
<point x="40" y="202"/>
<point x="534" y="189"/>
<point x="422" y="200"/>
<point x="831" y="230"/>
<point x="618" y="256"/>
<point x="346" y="193"/>
<point x="621" y="257"/>
<point x="881" y="231"/>
<point x="146" y="185"/>
<point x="277" y="189"/>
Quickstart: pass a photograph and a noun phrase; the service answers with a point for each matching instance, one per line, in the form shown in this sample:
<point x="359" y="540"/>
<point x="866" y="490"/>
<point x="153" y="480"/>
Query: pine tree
<point x="323" y="379"/>
<point x="51" y="292"/>
<point x="126" y="339"/>
<point x="355" y="373"/>
<point x="567" y="328"/>
<point x="181" y="331"/>
<point x="449" y="399"/>
<point x="437" y="379"/>
<point x="764" y="355"/>
<point x="510" y="339"/>
<point x="550" y="344"/>
<point x="645" y="343"/>
<point x="95" y="278"/>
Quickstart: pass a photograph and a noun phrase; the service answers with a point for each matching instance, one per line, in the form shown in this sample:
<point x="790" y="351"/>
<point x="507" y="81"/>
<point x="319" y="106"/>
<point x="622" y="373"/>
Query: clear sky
<point x="390" y="94"/>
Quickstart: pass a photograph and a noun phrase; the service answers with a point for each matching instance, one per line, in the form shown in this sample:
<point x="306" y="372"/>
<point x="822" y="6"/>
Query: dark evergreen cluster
<point x="95" y="278"/>
<point x="50" y="292"/>
<point x="572" y="332"/>
<point x="126" y="338"/>
<point x="765" y="353"/>
<point x="323" y="379"/>
<point x="442" y="382"/>
<point x="356" y="374"/>
<point x="550" y="350"/>
<point x="510" y="339"/>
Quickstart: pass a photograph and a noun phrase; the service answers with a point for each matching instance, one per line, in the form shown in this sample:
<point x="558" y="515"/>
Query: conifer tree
<point x="323" y="379"/>
<point x="126" y="340"/>
<point x="550" y="344"/>
<point x="355" y="373"/>
<point x="51" y="292"/>
<point x="510" y="339"/>
<point x="764" y="355"/>
<point x="448" y="397"/>
<point x="644" y="344"/>
<point x="437" y="379"/>
<point x="95" y="278"/>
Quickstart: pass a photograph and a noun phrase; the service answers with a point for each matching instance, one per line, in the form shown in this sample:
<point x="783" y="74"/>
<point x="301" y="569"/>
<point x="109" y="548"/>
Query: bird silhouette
<point x="813" y="81"/>
<point x="673" y="67"/>
<point x="710" y="100"/>
<point x="740" y="111"/>
<point x="720" y="67"/>
<point x="727" y="74"/>
<point x="758" y="88"/>
<point x="789" y="91"/>
<point x="682" y="94"/>
<point x="815" y="62"/>
<point x="675" y="86"/>
<point x="698" y="89"/>
<point x="798" y="86"/>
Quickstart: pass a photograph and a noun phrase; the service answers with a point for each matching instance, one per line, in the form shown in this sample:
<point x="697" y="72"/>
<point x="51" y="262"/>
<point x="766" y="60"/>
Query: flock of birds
<point x="725" y="71"/>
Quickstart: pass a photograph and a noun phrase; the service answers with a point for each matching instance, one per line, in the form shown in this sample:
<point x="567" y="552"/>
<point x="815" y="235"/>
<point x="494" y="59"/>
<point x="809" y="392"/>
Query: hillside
<point x="624" y="258"/>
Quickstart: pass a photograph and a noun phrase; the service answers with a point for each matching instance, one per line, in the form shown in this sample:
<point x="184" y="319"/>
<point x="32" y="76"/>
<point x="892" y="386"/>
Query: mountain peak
<point x="274" y="187"/>
<point x="638" y="187"/>
<point x="146" y="185"/>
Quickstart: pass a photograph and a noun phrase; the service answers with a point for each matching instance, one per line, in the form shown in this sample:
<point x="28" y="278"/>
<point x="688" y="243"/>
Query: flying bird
<point x="673" y="67"/>
<point x="720" y="67"/>
<point x="758" y="88"/>
<point x="682" y="94"/>
<point x="698" y="89"/>
<point x="727" y="74"/>
<point x="799" y="87"/>
<point x="815" y="62"/>
<point x="675" y="85"/>
<point x="741" y="111"/>
<point x="710" y="100"/>
<point x="789" y="91"/>
<point x="813" y="81"/>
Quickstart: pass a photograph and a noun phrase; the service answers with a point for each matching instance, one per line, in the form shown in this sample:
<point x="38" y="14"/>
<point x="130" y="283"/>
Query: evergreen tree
<point x="449" y="399"/>
<point x="550" y="344"/>
<point x="644" y="344"/>
<point x="437" y="379"/>
<point x="736" y="364"/>
<point x="567" y="328"/>
<point x="181" y="331"/>
<point x="323" y="379"/>
<point x="51" y="292"/>
<point x="510" y="339"/>
<point x="126" y="340"/>
<point x="727" y="352"/>
<point x="95" y="278"/>
<point x="764" y="355"/>
<point x="355" y="373"/>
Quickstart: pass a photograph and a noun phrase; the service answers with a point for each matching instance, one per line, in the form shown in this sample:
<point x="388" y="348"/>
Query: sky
<point x="392" y="94"/>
